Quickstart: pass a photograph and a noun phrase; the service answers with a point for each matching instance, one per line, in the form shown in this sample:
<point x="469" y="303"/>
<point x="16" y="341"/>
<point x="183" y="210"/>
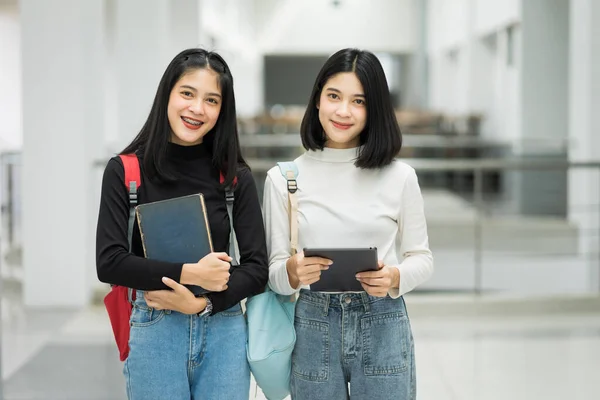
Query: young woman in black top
<point x="183" y="346"/>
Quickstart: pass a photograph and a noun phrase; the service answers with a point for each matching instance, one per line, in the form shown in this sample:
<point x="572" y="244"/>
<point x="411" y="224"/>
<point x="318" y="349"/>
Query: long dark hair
<point x="222" y="140"/>
<point x="381" y="138"/>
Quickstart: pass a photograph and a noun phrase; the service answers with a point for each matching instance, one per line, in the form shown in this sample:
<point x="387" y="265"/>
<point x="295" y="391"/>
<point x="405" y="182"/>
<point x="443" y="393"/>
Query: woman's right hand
<point x="211" y="272"/>
<point x="305" y="270"/>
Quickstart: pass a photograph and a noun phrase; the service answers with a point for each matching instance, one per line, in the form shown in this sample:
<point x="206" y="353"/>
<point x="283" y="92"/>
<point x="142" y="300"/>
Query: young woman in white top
<point x="352" y="192"/>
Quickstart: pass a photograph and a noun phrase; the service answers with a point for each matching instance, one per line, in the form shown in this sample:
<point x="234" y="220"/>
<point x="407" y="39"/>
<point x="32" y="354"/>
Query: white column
<point x="62" y="61"/>
<point x="10" y="78"/>
<point x="545" y="70"/>
<point x="541" y="50"/>
<point x="584" y="126"/>
<point x="414" y="90"/>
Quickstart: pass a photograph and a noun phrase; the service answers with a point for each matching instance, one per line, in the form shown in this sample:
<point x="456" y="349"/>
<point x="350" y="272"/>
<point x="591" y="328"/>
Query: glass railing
<point x="527" y="225"/>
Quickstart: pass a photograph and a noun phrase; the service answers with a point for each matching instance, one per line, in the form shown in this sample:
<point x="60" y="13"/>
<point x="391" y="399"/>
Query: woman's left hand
<point x="378" y="283"/>
<point x="179" y="299"/>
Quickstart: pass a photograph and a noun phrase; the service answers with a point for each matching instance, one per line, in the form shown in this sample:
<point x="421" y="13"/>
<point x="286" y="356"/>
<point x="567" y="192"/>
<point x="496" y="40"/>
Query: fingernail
<point x="164" y="279"/>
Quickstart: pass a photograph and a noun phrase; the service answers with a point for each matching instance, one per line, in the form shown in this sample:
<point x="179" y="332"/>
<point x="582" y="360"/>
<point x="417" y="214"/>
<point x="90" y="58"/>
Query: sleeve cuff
<point x="280" y="282"/>
<point x="394" y="293"/>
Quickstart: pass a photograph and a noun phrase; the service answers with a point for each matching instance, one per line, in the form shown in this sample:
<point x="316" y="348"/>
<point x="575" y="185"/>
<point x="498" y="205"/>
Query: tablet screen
<point x="347" y="262"/>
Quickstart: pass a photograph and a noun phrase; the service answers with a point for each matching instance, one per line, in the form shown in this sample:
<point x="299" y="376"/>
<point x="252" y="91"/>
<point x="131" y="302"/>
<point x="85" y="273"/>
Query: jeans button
<point x="348" y="300"/>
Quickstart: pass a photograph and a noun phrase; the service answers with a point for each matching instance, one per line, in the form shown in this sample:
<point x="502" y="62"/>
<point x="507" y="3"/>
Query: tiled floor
<point x="521" y="358"/>
<point x="61" y="355"/>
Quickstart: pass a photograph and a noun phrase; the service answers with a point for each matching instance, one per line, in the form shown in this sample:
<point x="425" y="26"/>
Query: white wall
<point x="11" y="135"/>
<point x="469" y="73"/>
<point x="493" y="15"/>
<point x="318" y="27"/>
<point x="448" y="24"/>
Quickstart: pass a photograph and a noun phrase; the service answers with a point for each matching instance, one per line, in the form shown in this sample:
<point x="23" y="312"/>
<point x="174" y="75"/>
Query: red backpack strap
<point x="133" y="181"/>
<point x="222" y="179"/>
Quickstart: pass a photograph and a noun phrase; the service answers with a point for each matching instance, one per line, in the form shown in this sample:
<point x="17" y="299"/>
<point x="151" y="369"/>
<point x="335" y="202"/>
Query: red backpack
<point x="119" y="301"/>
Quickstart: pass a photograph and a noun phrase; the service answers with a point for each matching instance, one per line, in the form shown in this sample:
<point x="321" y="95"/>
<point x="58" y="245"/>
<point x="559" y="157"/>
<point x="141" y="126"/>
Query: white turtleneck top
<point x="340" y="205"/>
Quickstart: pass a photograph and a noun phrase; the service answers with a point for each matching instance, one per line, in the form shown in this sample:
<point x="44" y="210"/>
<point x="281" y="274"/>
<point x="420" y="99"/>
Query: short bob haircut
<point x="381" y="139"/>
<point x="223" y="141"/>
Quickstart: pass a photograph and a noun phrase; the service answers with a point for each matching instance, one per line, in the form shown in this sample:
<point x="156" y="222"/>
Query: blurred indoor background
<point x="499" y="105"/>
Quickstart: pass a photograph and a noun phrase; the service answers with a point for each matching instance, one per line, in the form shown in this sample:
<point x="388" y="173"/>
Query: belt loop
<point x="326" y="305"/>
<point x="366" y="301"/>
<point x="139" y="294"/>
<point x="130" y="295"/>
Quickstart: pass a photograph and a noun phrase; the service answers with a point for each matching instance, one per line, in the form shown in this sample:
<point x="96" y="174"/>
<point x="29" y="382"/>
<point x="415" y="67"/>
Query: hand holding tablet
<point x="346" y="263"/>
<point x="378" y="283"/>
<point x="304" y="270"/>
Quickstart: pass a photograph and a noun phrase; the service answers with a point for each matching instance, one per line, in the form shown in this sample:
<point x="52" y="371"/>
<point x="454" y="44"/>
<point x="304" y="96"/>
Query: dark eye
<point x="333" y="96"/>
<point x="187" y="93"/>
<point x="213" y="101"/>
<point x="360" y="102"/>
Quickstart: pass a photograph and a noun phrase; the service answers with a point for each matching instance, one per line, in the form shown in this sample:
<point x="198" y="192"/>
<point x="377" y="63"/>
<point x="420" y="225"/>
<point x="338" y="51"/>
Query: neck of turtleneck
<point x="331" y="155"/>
<point x="177" y="151"/>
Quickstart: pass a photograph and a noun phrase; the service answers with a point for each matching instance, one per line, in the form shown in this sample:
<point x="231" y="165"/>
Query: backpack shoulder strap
<point x="229" y="199"/>
<point x="132" y="181"/>
<point x="289" y="170"/>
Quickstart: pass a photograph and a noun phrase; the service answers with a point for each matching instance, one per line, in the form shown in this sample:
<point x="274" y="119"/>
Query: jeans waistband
<point x="346" y="300"/>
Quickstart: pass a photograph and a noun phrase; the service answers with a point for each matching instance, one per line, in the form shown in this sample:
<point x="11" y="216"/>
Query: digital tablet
<point x="347" y="262"/>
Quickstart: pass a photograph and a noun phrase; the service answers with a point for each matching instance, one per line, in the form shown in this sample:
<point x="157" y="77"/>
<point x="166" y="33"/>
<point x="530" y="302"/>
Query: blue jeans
<point x="183" y="357"/>
<point x="355" y="339"/>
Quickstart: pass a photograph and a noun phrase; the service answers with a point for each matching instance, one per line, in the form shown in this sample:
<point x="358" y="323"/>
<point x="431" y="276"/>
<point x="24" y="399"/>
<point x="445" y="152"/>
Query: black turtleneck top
<point x="195" y="174"/>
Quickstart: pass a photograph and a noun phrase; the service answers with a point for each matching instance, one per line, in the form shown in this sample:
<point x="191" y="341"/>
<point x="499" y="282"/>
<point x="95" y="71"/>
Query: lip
<point x="340" y="125"/>
<point x="190" y="126"/>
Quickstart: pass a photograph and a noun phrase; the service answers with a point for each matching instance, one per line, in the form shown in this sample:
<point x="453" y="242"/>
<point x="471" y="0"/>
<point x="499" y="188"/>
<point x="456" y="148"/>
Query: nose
<point x="197" y="107"/>
<point x="343" y="110"/>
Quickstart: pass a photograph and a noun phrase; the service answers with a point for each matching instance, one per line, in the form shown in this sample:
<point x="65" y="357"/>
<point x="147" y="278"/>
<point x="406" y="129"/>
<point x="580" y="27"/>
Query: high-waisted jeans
<point x="352" y="340"/>
<point x="181" y="357"/>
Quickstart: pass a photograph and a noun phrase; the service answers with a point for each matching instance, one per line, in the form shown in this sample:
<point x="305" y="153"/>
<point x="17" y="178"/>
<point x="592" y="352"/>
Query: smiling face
<point x="342" y="110"/>
<point x="194" y="106"/>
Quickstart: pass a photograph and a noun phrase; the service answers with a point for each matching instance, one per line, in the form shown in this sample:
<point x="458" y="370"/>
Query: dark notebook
<point x="176" y="230"/>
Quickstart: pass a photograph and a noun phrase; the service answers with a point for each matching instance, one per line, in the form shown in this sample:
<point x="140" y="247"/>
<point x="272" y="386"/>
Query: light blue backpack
<point x="271" y="334"/>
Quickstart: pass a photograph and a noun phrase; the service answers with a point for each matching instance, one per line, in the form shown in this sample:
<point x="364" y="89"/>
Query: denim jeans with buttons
<point x="352" y="346"/>
<point x="181" y="357"/>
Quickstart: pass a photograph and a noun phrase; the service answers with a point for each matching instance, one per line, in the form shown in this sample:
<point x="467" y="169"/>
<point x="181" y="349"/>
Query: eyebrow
<point x="339" y="91"/>
<point x="194" y="90"/>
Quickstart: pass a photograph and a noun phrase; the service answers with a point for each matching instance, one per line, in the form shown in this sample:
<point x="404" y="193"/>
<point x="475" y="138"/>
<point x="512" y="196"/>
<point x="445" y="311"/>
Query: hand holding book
<point x="179" y="298"/>
<point x="211" y="272"/>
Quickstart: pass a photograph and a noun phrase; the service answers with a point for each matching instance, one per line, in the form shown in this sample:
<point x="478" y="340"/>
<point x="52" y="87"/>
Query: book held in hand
<point x="176" y="230"/>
